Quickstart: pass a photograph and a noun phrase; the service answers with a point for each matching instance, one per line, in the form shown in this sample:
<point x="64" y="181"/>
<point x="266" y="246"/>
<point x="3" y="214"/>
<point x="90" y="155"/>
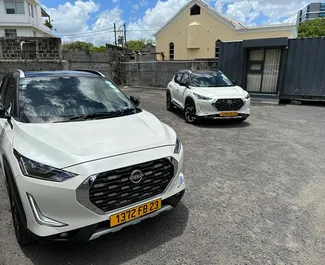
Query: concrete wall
<point x="102" y="61"/>
<point x="211" y="29"/>
<point x="158" y="73"/>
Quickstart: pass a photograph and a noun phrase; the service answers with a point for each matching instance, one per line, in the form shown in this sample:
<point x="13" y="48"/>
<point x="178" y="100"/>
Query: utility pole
<point x="115" y="34"/>
<point x="124" y="34"/>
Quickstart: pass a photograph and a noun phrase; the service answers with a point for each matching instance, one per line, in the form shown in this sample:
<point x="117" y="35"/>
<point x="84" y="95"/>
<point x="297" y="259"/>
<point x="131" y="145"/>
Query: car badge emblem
<point x="229" y="102"/>
<point x="136" y="176"/>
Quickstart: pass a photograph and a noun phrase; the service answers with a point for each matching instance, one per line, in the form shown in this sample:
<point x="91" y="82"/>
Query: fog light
<point x="180" y="179"/>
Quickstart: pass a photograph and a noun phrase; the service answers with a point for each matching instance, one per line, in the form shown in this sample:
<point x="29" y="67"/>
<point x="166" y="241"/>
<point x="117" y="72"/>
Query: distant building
<point x="23" y="18"/>
<point x="197" y="29"/>
<point x="311" y="11"/>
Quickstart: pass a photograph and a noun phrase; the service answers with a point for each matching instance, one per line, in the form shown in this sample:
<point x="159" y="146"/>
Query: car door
<point x="174" y="87"/>
<point x="185" y="81"/>
<point x="7" y="98"/>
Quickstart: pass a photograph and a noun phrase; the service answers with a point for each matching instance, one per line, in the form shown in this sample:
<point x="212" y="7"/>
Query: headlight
<point x="178" y="146"/>
<point x="37" y="170"/>
<point x="247" y="96"/>
<point x="201" y="97"/>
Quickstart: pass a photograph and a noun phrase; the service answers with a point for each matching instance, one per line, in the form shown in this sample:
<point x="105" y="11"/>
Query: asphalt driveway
<point x="255" y="195"/>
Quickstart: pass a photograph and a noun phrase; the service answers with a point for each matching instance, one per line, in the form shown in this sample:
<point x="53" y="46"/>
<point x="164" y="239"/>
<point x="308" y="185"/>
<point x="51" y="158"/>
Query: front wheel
<point x="190" y="112"/>
<point x="21" y="232"/>
<point x="169" y="104"/>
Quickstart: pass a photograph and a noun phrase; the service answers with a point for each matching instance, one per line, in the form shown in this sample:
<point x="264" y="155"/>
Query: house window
<point x="217" y="49"/>
<point x="171" y="51"/>
<point x="15" y="7"/>
<point x="11" y="33"/>
<point x="31" y="10"/>
<point x="195" y="10"/>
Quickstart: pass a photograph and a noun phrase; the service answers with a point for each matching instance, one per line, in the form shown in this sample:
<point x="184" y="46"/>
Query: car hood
<point x="64" y="144"/>
<point x="230" y="91"/>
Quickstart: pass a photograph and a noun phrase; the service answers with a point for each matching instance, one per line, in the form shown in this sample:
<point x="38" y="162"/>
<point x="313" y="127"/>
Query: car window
<point x="210" y="79"/>
<point x="51" y="98"/>
<point x="3" y="89"/>
<point x="185" y="79"/>
<point x="9" y="94"/>
<point x="178" y="78"/>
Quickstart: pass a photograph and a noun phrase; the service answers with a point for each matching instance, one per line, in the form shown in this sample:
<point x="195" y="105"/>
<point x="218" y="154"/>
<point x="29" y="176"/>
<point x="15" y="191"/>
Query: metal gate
<point x="263" y="67"/>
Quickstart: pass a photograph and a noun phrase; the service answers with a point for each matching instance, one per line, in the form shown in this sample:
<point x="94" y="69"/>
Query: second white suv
<point x="80" y="158"/>
<point x="207" y="94"/>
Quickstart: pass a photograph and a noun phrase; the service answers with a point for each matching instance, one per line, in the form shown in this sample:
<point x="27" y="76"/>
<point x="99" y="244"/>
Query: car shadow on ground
<point x="209" y="123"/>
<point x="115" y="248"/>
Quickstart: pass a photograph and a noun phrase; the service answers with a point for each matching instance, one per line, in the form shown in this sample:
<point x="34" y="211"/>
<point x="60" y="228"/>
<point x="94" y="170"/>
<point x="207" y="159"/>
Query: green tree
<point x="312" y="28"/>
<point x="78" y="46"/>
<point x="136" y="45"/>
<point x="98" y="49"/>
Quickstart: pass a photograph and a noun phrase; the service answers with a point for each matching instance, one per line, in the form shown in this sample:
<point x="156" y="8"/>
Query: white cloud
<point x="154" y="18"/>
<point x="276" y="11"/>
<point x="143" y="2"/>
<point x="135" y="7"/>
<point x="116" y="1"/>
<point x="72" y="18"/>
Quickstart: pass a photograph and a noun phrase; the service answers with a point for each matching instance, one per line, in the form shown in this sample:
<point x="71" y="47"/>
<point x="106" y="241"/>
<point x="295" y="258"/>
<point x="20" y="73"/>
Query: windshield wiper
<point x="95" y="115"/>
<point x="98" y="115"/>
<point x="127" y="110"/>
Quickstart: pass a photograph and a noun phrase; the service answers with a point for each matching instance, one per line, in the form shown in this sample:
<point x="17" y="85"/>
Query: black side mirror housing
<point x="135" y="100"/>
<point x="3" y="114"/>
<point x="234" y="82"/>
<point x="184" y="84"/>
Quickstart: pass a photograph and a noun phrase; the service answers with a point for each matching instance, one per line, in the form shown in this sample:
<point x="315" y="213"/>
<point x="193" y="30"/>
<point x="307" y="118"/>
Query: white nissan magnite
<point x="207" y="94"/>
<point x="80" y="158"/>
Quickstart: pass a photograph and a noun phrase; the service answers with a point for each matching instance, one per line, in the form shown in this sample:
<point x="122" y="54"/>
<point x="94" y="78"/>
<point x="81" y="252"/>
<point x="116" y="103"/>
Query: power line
<point x="86" y="32"/>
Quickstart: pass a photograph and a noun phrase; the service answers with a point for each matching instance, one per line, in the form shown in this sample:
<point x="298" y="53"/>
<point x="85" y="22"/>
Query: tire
<point x="284" y="101"/>
<point x="169" y="104"/>
<point x="190" y="112"/>
<point x="21" y="232"/>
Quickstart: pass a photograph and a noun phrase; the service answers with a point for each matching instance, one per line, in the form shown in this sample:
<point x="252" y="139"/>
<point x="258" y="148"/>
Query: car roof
<point x="198" y="71"/>
<point x="60" y="73"/>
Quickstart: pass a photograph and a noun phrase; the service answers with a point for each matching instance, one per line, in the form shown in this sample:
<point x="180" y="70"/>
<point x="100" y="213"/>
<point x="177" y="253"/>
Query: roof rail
<point x="20" y="72"/>
<point x="92" y="71"/>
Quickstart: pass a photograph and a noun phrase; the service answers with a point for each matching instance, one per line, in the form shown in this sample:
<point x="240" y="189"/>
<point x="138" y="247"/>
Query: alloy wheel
<point x="190" y="113"/>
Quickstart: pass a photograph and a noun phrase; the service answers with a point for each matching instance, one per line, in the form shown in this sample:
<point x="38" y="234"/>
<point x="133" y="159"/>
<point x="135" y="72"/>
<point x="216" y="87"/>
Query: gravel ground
<point x="255" y="195"/>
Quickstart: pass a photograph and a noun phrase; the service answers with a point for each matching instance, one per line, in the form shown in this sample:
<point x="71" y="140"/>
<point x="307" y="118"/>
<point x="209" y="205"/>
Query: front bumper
<point x="206" y="109"/>
<point x="95" y="231"/>
<point x="60" y="201"/>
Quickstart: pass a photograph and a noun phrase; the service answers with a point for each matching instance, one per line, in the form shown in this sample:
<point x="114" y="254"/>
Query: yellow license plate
<point x="135" y="212"/>
<point x="228" y="114"/>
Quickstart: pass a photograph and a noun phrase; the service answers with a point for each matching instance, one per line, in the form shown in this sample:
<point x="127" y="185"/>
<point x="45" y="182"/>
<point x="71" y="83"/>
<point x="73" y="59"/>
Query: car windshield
<point x="210" y="79"/>
<point x="55" y="99"/>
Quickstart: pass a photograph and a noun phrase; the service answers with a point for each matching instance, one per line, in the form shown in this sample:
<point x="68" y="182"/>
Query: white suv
<point x="207" y="94"/>
<point x="80" y="159"/>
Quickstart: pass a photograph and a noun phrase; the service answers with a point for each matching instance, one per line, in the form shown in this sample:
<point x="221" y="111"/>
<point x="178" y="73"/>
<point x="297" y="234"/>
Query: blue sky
<point x="91" y="20"/>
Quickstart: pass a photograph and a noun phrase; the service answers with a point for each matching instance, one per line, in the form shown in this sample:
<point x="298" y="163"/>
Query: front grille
<point x="113" y="189"/>
<point x="228" y="104"/>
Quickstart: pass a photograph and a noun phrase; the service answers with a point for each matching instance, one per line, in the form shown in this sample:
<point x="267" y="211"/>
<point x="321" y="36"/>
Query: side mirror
<point x="135" y="100"/>
<point x="3" y="114"/>
<point x="184" y="84"/>
<point x="234" y="82"/>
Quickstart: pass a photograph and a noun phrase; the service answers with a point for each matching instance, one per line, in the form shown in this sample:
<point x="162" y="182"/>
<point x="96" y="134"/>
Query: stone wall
<point x="30" y="47"/>
<point x="30" y="54"/>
